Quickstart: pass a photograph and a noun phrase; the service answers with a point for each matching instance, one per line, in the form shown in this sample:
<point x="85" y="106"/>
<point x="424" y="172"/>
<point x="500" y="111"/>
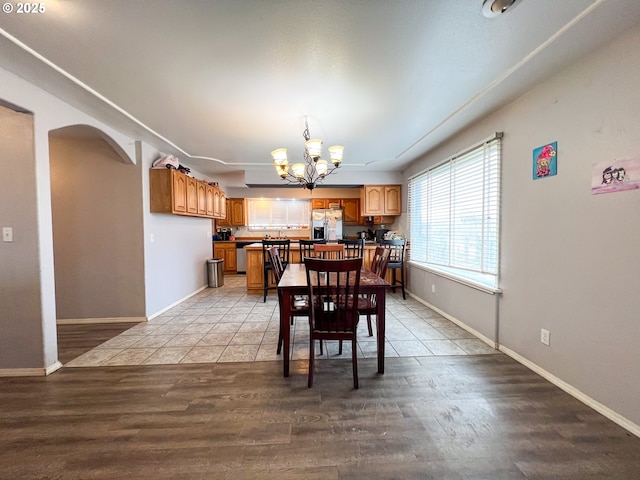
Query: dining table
<point x="294" y="283"/>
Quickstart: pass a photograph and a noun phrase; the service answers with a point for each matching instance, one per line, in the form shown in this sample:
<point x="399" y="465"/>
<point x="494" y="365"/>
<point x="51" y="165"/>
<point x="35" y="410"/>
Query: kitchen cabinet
<point x="378" y="200"/>
<point x="351" y="211"/>
<point x="235" y="213"/>
<point x="226" y="251"/>
<point x="319" y="203"/>
<point x="179" y="194"/>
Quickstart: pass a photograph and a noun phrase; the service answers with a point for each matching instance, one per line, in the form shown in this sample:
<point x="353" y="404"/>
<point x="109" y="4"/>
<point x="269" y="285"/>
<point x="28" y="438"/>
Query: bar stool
<point x="283" y="251"/>
<point x="396" y="261"/>
<point x="306" y="248"/>
<point x="353" y="248"/>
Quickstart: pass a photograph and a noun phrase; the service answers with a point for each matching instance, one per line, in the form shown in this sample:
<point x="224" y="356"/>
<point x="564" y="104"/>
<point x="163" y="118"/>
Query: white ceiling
<point x="221" y="83"/>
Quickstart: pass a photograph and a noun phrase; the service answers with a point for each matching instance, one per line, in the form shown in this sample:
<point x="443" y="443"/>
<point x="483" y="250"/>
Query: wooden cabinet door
<point x="230" y="264"/>
<point x="226" y="220"/>
<point x="373" y="196"/>
<point x="179" y="192"/>
<point x="318" y="203"/>
<point x="201" y="188"/>
<point x="350" y="211"/>
<point x="392" y="200"/>
<point x="237" y="212"/>
<point x="209" y="205"/>
<point x="223" y="205"/>
<point x="216" y="203"/>
<point x="192" y="195"/>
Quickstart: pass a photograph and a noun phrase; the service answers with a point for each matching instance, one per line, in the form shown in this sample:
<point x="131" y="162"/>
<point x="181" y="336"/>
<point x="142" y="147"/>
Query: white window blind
<point x="275" y="214"/>
<point x="454" y="214"/>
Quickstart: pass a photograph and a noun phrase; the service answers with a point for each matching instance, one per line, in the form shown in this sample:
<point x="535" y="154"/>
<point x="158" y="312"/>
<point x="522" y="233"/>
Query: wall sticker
<point x="615" y="176"/>
<point x="545" y="161"/>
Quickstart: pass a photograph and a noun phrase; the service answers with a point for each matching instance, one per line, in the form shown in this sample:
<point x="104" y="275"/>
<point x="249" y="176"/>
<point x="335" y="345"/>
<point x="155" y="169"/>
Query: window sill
<point x="451" y="276"/>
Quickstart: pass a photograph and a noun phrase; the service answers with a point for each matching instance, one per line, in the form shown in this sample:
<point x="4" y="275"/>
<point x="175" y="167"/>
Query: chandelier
<point x="314" y="169"/>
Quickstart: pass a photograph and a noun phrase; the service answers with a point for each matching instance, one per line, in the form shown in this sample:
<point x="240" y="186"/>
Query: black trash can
<point x="215" y="272"/>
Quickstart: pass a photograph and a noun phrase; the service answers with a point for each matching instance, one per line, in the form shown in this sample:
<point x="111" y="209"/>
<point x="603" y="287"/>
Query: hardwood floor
<point x="74" y="340"/>
<point x="437" y="417"/>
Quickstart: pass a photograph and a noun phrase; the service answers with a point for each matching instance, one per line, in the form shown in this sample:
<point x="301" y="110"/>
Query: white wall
<point x="175" y="260"/>
<point x="98" y="237"/>
<point x="570" y="261"/>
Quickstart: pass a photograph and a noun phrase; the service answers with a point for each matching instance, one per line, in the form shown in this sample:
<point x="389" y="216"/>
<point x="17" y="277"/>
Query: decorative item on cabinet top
<point x="179" y="194"/>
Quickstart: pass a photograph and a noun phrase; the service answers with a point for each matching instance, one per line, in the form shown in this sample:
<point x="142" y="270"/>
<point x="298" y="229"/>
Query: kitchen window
<point x="278" y="214"/>
<point x="454" y="215"/>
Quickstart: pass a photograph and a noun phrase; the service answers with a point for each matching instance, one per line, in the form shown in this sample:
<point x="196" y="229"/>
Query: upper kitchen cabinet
<point x="351" y="211"/>
<point x="381" y="200"/>
<point x="320" y="203"/>
<point x="236" y="213"/>
<point x="179" y="194"/>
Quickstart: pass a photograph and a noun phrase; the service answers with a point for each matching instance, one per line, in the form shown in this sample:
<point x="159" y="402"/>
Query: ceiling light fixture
<point x="314" y="169"/>
<point x="493" y="8"/>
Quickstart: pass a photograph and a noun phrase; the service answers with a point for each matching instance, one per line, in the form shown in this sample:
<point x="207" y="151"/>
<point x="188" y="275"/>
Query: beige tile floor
<point x="226" y="325"/>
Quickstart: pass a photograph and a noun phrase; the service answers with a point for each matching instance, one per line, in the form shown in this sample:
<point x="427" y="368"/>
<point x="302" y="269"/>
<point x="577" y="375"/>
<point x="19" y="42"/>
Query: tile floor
<point x="226" y="325"/>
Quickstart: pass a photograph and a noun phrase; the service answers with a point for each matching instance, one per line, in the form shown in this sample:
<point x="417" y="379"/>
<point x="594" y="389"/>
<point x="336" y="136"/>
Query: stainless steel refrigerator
<point x="327" y="224"/>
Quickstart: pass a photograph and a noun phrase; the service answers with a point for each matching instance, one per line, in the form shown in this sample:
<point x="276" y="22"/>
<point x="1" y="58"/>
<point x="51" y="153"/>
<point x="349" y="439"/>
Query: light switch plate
<point x="7" y="234"/>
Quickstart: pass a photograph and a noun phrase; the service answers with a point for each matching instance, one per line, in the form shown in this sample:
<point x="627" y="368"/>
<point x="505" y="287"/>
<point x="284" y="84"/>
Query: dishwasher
<point x="241" y="257"/>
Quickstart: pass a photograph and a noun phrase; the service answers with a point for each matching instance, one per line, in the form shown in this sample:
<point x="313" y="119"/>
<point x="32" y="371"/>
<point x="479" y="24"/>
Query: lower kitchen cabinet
<point x="226" y="251"/>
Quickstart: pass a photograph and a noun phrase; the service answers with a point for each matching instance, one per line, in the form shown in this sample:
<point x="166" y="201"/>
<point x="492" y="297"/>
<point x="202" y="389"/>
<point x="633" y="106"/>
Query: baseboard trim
<point x="177" y="302"/>
<point x="612" y="415"/>
<point x="86" y="321"/>
<point x="30" y="372"/>
<point x="459" y="323"/>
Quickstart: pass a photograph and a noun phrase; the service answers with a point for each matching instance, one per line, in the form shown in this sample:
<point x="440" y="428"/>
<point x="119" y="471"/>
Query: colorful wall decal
<point x="615" y="176"/>
<point x="545" y="161"/>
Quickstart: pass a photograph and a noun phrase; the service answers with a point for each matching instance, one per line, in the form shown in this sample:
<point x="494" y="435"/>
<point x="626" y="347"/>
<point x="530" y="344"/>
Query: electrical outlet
<point x="7" y="234"/>
<point x="545" y="336"/>
<point x="433" y="288"/>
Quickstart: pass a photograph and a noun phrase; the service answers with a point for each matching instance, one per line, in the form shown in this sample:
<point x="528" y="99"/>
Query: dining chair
<point x="329" y="251"/>
<point x="353" y="248"/>
<point x="332" y="287"/>
<point x="299" y="304"/>
<point x="306" y="247"/>
<point x="396" y="261"/>
<point x="367" y="303"/>
<point x="283" y="253"/>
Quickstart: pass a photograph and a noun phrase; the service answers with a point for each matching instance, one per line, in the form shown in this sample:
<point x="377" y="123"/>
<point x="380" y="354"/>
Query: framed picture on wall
<point x="615" y="175"/>
<point x="545" y="161"/>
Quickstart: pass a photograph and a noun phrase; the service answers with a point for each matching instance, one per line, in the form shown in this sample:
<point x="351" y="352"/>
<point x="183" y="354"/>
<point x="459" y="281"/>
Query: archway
<point x="96" y="203"/>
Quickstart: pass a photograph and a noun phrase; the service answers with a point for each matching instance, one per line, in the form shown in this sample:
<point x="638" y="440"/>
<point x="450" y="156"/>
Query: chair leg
<point x="265" y="285"/>
<point x="404" y="297"/>
<point x="369" y="324"/>
<point x="312" y="355"/>
<point x="354" y="360"/>
<point x="393" y="280"/>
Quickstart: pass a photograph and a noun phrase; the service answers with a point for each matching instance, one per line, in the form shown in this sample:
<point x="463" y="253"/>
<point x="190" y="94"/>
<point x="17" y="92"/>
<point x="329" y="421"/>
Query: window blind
<point x="454" y="214"/>
<point x="276" y="214"/>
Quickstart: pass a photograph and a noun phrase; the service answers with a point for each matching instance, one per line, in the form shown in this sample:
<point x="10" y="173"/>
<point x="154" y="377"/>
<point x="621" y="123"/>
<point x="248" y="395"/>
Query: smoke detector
<point x="493" y="8"/>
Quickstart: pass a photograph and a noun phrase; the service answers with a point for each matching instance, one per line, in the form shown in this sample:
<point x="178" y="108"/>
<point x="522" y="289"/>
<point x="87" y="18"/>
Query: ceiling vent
<point x="493" y="8"/>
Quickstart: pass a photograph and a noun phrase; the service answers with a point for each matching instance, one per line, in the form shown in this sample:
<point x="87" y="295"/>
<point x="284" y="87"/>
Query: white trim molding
<point x="87" y="321"/>
<point x="30" y="372"/>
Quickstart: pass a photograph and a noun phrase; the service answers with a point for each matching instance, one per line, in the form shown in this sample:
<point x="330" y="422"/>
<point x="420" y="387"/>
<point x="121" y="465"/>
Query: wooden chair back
<point x="306" y="248"/>
<point x="329" y="251"/>
<point x="332" y="288"/>
<point x="353" y="248"/>
<point x="380" y="261"/>
<point x="276" y="263"/>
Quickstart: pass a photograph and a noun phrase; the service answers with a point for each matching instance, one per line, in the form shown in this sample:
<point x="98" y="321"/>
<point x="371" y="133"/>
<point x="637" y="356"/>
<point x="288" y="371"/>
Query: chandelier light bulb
<point x="314" y="148"/>
<point x="322" y="167"/>
<point x="336" y="153"/>
<point x="298" y="169"/>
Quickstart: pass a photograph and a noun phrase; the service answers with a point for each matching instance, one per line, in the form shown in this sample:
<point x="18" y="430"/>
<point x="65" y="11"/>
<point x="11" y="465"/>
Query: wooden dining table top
<point x="295" y="276"/>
